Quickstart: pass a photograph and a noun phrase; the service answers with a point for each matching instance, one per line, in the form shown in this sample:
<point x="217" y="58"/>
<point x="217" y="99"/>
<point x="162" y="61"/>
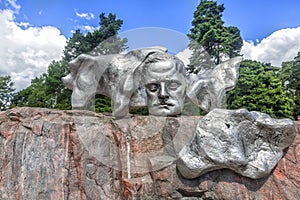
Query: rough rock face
<point x="249" y="143"/>
<point x="50" y="154"/>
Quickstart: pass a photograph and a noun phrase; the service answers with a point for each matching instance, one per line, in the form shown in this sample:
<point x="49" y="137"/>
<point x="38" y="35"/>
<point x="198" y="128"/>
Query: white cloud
<point x="25" y="51"/>
<point x="85" y="28"/>
<point x="24" y="24"/>
<point x="280" y="46"/>
<point x="87" y="16"/>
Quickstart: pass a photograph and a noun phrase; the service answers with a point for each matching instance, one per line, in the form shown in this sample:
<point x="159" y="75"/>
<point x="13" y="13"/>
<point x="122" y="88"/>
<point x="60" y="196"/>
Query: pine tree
<point x="76" y="45"/>
<point x="210" y="40"/>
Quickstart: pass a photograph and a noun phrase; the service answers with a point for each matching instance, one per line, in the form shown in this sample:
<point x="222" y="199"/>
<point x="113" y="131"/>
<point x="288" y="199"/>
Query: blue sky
<point x="176" y="15"/>
<point x="256" y="18"/>
<point x="35" y="31"/>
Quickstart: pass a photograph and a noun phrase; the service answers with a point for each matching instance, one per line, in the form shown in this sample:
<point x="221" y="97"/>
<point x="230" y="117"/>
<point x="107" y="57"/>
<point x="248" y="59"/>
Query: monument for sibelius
<point x="249" y="143"/>
<point x="173" y="153"/>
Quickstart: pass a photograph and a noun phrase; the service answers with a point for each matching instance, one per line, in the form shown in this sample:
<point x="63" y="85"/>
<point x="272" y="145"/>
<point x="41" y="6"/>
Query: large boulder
<point x="249" y="143"/>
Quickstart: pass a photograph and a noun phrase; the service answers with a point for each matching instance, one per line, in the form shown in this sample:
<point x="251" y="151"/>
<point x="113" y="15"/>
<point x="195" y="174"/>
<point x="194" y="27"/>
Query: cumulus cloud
<point x="26" y="51"/>
<point x="280" y="46"/>
<point x="87" y="16"/>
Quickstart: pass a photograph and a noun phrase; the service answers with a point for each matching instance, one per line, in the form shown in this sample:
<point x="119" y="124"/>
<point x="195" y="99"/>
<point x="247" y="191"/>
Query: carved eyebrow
<point x="163" y="80"/>
<point x="174" y="81"/>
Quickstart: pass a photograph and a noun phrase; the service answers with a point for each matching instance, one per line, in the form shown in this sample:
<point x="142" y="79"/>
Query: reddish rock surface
<point x="51" y="154"/>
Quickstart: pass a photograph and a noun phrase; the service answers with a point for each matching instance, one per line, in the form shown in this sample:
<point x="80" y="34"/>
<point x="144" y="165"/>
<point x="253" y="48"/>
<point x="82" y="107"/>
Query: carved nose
<point x="163" y="93"/>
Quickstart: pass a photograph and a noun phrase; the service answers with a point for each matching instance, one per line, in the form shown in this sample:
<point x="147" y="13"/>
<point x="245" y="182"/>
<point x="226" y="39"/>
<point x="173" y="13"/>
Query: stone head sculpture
<point x="164" y="79"/>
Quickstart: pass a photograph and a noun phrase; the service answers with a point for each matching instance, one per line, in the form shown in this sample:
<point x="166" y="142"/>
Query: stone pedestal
<point x="51" y="154"/>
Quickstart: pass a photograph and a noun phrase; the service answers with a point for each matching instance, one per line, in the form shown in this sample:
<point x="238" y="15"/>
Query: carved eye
<point x="152" y="87"/>
<point x="173" y="85"/>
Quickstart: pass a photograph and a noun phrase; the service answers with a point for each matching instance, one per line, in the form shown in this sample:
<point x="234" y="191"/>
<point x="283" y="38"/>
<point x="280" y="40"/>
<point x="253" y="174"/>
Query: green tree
<point x="20" y="98"/>
<point x="209" y="35"/>
<point x="101" y="41"/>
<point x="290" y="76"/>
<point x="105" y="40"/>
<point x="6" y="92"/>
<point x="47" y="90"/>
<point x="259" y="89"/>
<point x="76" y="45"/>
<point x="34" y="95"/>
<point x="59" y="97"/>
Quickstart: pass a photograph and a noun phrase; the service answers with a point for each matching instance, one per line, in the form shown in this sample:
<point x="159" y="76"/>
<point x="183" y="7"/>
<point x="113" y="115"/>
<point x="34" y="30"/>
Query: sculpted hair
<point x="162" y="56"/>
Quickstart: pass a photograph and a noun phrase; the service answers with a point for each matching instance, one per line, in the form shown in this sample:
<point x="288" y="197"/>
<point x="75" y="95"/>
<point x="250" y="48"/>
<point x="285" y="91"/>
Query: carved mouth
<point x="163" y="104"/>
<point x="163" y="107"/>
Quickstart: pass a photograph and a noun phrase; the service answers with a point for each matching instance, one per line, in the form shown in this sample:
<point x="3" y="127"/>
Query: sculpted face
<point x="165" y="85"/>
